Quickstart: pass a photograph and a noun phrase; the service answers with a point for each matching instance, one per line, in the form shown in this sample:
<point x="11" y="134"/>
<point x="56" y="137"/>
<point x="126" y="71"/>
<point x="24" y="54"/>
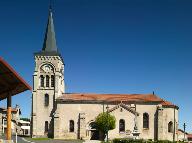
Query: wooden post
<point x="8" y="137"/>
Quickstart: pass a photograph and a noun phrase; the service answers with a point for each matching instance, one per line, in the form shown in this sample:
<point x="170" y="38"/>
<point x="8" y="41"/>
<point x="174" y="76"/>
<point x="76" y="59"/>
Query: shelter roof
<point x="10" y="81"/>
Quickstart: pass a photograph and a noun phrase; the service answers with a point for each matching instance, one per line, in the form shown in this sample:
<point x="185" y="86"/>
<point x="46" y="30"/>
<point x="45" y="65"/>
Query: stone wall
<point x="40" y="112"/>
<point x="70" y="111"/>
<point x="169" y="115"/>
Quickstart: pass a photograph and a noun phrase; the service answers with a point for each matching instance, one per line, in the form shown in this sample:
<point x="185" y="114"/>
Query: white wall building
<point x="15" y="113"/>
<point x="25" y="127"/>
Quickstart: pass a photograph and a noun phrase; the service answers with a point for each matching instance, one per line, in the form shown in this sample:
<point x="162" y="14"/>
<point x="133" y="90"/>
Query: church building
<point x="62" y="115"/>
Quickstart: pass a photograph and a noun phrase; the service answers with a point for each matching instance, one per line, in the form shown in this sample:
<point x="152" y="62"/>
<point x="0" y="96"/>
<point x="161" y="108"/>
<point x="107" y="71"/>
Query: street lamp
<point x="107" y="122"/>
<point x="184" y="126"/>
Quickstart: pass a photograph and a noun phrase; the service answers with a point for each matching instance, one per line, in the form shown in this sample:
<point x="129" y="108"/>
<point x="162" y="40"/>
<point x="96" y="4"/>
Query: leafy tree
<point x="105" y="122"/>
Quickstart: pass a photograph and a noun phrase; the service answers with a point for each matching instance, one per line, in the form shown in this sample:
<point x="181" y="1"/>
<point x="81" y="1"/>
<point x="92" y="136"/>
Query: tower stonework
<point x="48" y="84"/>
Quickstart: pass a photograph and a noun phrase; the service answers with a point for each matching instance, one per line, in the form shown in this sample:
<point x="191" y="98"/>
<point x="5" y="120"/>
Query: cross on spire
<point x="50" y="5"/>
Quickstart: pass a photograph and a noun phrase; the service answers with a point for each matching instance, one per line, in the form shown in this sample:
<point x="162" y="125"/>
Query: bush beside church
<point x="139" y="141"/>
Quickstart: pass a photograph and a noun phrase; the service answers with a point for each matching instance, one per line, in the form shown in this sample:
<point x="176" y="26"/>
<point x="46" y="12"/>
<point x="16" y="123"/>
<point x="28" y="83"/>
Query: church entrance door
<point x="94" y="135"/>
<point x="94" y="131"/>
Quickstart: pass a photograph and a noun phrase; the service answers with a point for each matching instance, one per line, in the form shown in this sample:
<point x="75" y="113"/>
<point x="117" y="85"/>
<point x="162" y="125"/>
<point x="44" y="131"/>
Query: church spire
<point x="49" y="44"/>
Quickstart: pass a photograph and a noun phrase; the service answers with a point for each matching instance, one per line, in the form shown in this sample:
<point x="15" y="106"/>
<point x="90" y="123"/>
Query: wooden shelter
<point x="10" y="84"/>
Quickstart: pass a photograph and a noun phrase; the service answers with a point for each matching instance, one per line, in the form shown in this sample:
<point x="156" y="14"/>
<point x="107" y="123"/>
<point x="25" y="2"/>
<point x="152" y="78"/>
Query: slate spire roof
<point x="49" y="44"/>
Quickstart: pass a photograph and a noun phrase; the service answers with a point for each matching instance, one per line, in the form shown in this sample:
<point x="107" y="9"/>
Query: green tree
<point x="105" y="122"/>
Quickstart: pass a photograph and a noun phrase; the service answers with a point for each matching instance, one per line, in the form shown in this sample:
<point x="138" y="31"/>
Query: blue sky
<point x="109" y="46"/>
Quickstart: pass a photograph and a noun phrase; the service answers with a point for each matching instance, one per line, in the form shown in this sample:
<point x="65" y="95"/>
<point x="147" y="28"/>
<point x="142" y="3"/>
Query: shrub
<point x="140" y="141"/>
<point x="105" y="122"/>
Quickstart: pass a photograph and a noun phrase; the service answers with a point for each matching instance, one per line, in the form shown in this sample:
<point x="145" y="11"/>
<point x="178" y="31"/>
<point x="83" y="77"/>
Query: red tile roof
<point x="167" y="103"/>
<point x="114" y="98"/>
<point x="189" y="136"/>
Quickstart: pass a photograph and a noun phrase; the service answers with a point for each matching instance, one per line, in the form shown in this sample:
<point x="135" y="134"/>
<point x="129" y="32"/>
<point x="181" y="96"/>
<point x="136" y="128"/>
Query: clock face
<point x="47" y="68"/>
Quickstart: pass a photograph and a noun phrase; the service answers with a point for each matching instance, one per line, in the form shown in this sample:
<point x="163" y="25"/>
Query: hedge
<point x="139" y="141"/>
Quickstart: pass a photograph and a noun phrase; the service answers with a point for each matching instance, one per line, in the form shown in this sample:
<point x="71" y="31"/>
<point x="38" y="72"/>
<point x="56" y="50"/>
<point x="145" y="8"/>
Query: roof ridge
<point x="111" y="93"/>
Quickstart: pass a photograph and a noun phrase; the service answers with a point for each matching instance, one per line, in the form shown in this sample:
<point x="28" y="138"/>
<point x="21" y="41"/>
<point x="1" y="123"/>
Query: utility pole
<point x="184" y="126"/>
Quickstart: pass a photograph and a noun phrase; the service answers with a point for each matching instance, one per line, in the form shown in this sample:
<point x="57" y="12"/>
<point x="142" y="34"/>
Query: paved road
<point x="51" y="141"/>
<point x="24" y="140"/>
<point x="19" y="139"/>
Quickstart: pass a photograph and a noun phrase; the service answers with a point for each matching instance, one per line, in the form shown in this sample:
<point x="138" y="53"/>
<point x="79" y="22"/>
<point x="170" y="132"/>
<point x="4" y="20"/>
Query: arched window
<point x="46" y="126"/>
<point x="71" y="126"/>
<point x="170" y="127"/>
<point x="121" y="125"/>
<point x="46" y="99"/>
<point x="52" y="81"/>
<point x="42" y="80"/>
<point x="47" y="81"/>
<point x="146" y="120"/>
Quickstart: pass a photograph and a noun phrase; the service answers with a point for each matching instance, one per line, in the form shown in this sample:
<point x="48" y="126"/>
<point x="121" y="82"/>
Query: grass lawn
<point x="38" y="139"/>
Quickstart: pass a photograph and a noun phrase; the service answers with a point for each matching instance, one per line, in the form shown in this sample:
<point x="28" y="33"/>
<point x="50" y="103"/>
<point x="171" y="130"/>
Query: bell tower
<point x="48" y="83"/>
